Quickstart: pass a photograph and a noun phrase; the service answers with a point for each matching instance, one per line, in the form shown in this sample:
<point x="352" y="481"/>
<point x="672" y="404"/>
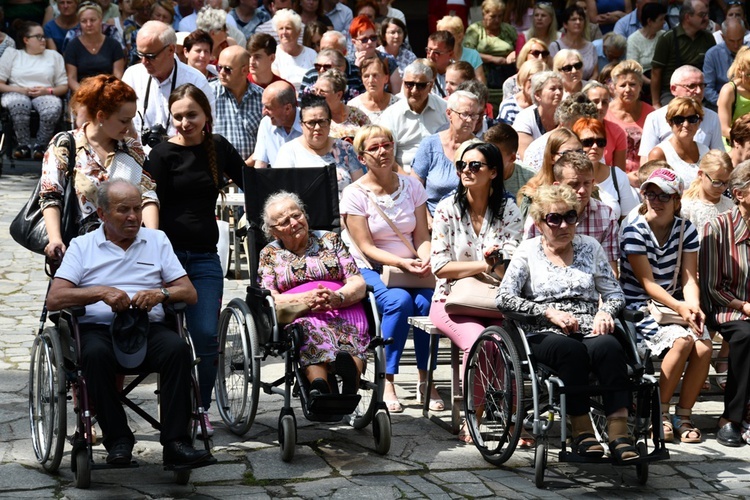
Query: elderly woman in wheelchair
<point x="566" y="285"/>
<point x="316" y="285"/>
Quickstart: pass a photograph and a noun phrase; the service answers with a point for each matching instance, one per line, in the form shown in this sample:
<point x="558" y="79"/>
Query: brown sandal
<point x="685" y="427"/>
<point x="666" y="423"/>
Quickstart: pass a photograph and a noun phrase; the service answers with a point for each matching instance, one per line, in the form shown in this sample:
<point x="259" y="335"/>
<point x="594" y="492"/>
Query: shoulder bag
<point x="28" y="228"/>
<point x="662" y="314"/>
<point x="474" y="296"/>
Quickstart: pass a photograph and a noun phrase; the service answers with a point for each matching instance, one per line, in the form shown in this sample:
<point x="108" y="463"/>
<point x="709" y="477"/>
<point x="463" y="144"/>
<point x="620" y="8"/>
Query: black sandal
<point x="617" y="453"/>
<point x="588" y="449"/>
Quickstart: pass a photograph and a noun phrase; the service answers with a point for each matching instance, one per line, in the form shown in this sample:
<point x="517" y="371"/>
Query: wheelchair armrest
<point x="518" y="316"/>
<point x="75" y="311"/>
<point x="176" y="307"/>
<point x="257" y="293"/>
<point x="369" y="289"/>
<point x="632" y="316"/>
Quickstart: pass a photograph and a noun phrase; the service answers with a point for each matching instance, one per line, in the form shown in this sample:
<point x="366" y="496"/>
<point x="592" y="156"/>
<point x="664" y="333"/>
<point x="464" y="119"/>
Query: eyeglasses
<point x="679" y="120"/>
<point x="286" y="222"/>
<point x="465" y="116"/>
<point x="555" y="220"/>
<point x="419" y="85"/>
<point x="474" y="166"/>
<point x="38" y="37"/>
<point x="662" y="197"/>
<point x="692" y="86"/>
<point x="397" y="32"/>
<point x="569" y="151"/>
<point x="225" y="69"/>
<point x="376" y="148"/>
<point x="368" y="39"/>
<point x="150" y="57"/>
<point x="716" y="183"/>
<point x="537" y="53"/>
<point x="570" y="67"/>
<point x="702" y="15"/>
<point x="322" y="67"/>
<point x="599" y="141"/>
<point x="311" y="124"/>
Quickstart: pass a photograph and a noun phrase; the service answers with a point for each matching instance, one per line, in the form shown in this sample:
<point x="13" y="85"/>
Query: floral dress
<point x="326" y="261"/>
<point x="346" y="130"/>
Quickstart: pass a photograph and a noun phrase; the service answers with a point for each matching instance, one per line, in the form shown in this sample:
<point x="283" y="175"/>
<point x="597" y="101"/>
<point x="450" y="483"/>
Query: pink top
<point x="633" y="132"/>
<point x="616" y="141"/>
<point x="399" y="207"/>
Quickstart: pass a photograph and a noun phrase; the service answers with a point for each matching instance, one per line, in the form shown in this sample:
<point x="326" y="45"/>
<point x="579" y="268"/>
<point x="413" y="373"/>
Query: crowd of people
<point x="591" y="154"/>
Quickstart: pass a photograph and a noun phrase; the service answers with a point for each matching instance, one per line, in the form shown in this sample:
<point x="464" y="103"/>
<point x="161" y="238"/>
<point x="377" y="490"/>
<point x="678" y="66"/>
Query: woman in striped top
<point x="649" y="245"/>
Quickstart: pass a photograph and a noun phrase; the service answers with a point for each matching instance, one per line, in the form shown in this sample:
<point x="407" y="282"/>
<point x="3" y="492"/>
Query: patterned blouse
<point x="532" y="284"/>
<point x="355" y="119"/>
<point x="454" y="239"/>
<point x="124" y="163"/>
<point x="404" y="58"/>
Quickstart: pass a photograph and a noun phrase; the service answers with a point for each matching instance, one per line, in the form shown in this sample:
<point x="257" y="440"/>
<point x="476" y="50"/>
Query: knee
<point x="398" y="300"/>
<point x="684" y="344"/>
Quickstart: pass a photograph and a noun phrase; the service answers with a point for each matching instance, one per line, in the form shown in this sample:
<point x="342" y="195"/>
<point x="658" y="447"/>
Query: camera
<point x="154" y="135"/>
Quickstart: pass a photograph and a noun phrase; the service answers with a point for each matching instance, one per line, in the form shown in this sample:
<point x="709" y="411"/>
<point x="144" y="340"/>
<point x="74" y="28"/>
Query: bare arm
<point x="118" y="68"/>
<point x="72" y="72"/>
<point x="656" y="154"/>
<point x="724" y="108"/>
<point x="656" y="74"/>
<point x="55" y="249"/>
<point x="180" y="290"/>
<point x="479" y="74"/>
<point x="618" y="159"/>
<point x="524" y="140"/>
<point x="151" y="216"/>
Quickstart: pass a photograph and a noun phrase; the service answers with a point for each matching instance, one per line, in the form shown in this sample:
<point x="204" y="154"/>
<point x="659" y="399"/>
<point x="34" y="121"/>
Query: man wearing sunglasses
<point x="595" y="219"/>
<point x="332" y="55"/>
<point x="687" y="81"/>
<point x="418" y="115"/>
<point x="685" y="44"/>
<point x="158" y="74"/>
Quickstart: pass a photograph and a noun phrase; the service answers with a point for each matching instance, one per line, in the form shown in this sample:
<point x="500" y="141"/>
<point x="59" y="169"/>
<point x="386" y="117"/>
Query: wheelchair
<point x="249" y="331"/>
<point x="506" y="389"/>
<point x="56" y="377"/>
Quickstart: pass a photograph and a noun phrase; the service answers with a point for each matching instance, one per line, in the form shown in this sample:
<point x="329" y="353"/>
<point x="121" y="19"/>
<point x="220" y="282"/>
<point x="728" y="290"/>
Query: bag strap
<point x="353" y="245"/>
<point x="734" y="102"/>
<point x="408" y="243"/>
<point x="71" y="156"/>
<point x="673" y="284"/>
<point x="614" y="181"/>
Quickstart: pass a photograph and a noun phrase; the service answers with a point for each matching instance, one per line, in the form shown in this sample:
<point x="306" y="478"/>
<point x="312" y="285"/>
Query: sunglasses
<point x="367" y="39"/>
<point x="322" y="67"/>
<point x="662" y="197"/>
<point x="474" y="166"/>
<point x="570" y="67"/>
<point x="599" y="141"/>
<point x="716" y="183"/>
<point x="679" y="120"/>
<point x="419" y="85"/>
<point x="537" y="53"/>
<point x="225" y="69"/>
<point x="150" y="57"/>
<point x="555" y="220"/>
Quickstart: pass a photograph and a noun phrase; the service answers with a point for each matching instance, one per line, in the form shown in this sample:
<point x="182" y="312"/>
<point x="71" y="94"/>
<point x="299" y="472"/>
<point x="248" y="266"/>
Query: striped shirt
<point x="638" y="239"/>
<point x="724" y="265"/>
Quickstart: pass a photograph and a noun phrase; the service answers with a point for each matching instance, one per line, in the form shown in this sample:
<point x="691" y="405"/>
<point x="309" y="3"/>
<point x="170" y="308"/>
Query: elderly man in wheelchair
<point x="119" y="267"/>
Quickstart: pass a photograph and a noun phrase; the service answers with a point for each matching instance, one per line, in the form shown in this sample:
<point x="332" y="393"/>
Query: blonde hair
<point x="712" y="163"/>
<point x="628" y="66"/>
<point x="546" y="174"/>
<point x="562" y="56"/>
<point x="368" y="132"/>
<point x="453" y="24"/>
<point x="490" y="5"/>
<point x="741" y="64"/>
<point x="528" y="69"/>
<point x="552" y="30"/>
<point x="680" y="105"/>
<point x="547" y="196"/>
<point x="523" y="54"/>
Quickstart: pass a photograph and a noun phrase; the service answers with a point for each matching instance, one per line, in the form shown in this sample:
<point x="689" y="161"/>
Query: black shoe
<point x="318" y="387"/>
<point x="730" y="434"/>
<point x="120" y="453"/>
<point x="347" y="370"/>
<point x="180" y="453"/>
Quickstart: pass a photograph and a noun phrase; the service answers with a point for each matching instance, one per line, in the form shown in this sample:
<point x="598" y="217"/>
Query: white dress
<point x="687" y="171"/>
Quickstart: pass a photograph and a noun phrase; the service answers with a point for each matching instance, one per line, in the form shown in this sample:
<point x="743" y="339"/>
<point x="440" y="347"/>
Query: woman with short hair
<point x="293" y="60"/>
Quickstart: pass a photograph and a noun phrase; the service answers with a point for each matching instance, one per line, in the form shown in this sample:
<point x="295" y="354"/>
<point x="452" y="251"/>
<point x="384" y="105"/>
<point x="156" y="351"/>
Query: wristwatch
<point x="341" y="297"/>
<point x="165" y="292"/>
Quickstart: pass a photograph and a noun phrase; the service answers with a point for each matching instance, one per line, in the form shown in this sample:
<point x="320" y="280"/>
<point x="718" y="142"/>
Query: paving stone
<point x="233" y="492"/>
<point x="14" y="476"/>
<point x="217" y="473"/>
<point x="267" y="464"/>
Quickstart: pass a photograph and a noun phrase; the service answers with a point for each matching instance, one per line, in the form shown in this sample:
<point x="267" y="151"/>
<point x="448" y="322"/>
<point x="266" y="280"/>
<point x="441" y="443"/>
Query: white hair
<point x="211" y="20"/>
<point x="539" y="80"/>
<point x="417" y="68"/>
<point x="458" y="95"/>
<point x="163" y="32"/>
<point x="683" y="72"/>
<point x="287" y="15"/>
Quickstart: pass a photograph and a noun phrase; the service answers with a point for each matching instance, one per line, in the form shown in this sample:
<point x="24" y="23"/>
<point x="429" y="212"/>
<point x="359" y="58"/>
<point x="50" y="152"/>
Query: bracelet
<point x="50" y="91"/>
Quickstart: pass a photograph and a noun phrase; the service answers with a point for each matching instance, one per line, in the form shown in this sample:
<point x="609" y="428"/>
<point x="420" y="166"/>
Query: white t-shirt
<point x="621" y="200"/>
<point x="18" y="67"/>
<point x="527" y="123"/>
<point x="293" y="68"/>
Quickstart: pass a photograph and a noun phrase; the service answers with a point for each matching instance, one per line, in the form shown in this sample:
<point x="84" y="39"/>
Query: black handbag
<point x="28" y="228"/>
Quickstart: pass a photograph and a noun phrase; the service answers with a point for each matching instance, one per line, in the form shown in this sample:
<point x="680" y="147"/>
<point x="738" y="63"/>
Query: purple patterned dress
<point x="326" y="260"/>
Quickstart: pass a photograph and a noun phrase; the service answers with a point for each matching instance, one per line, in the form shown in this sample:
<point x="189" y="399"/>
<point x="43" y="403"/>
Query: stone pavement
<point x="331" y="461"/>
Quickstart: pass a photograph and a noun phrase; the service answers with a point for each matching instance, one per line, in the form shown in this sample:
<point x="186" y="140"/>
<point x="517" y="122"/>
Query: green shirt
<point x="520" y="176"/>
<point x="689" y="51"/>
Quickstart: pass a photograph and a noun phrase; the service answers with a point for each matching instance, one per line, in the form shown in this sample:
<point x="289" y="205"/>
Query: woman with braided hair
<point x="190" y="170"/>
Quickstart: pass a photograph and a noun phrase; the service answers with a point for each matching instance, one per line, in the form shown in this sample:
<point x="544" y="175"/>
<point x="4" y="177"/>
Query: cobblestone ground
<point x="331" y="461"/>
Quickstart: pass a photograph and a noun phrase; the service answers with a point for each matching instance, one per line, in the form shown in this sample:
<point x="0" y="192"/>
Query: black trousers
<point x="573" y="358"/>
<point x="168" y="355"/>
<point x="737" y="333"/>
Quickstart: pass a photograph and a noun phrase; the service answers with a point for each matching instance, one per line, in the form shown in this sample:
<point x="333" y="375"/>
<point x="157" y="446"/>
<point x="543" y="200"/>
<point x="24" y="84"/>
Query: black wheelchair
<point x="56" y="377"/>
<point x="506" y="390"/>
<point x="249" y="331"/>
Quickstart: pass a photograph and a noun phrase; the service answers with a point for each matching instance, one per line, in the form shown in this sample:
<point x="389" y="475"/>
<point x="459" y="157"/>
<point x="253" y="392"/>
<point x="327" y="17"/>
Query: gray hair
<point x="613" y="40"/>
<point x="687" y="9"/>
<point x="458" y="95"/>
<point x="287" y="15"/>
<point x="211" y="20"/>
<point x="729" y="22"/>
<point x="337" y="79"/>
<point x="272" y="200"/>
<point x="477" y="88"/>
<point x="340" y="38"/>
<point x="683" y="72"/>
<point x="163" y="32"/>
<point x="334" y="55"/>
<point x="739" y="179"/>
<point x="573" y="107"/>
<point x="593" y="84"/>
<point x="102" y="191"/>
<point x="418" y="68"/>
<point x="539" y="80"/>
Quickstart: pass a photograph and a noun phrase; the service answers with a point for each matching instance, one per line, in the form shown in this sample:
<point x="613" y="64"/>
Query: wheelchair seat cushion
<point x="129" y="331"/>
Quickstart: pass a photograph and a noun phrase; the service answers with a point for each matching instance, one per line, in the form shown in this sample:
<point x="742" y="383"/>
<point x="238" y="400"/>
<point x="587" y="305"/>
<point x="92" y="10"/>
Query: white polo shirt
<point x="271" y="138"/>
<point x="92" y="260"/>
<point x="656" y="130"/>
<point x="157" y="110"/>
<point x="409" y="128"/>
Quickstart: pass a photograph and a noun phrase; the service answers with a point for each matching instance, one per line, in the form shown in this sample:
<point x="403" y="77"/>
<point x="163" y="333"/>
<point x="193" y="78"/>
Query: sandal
<point x="622" y="450"/>
<point x="393" y="405"/>
<point x="435" y="404"/>
<point x="586" y="445"/>
<point x="685" y="427"/>
<point x="666" y="423"/>
<point x="464" y="435"/>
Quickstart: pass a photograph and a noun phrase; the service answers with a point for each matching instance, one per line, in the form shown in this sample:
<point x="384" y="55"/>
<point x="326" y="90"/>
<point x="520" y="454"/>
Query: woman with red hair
<point x="614" y="186"/>
<point x="365" y="40"/>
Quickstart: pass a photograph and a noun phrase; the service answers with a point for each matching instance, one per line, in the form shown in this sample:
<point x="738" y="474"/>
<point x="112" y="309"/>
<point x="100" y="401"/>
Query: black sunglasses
<point x="555" y="220"/>
<point x="225" y="69"/>
<point x="679" y="120"/>
<point x="599" y="141"/>
<point x="474" y="166"/>
<point x="571" y="67"/>
<point x="537" y="53"/>
<point x="151" y="57"/>
<point x="322" y="67"/>
<point x="419" y="85"/>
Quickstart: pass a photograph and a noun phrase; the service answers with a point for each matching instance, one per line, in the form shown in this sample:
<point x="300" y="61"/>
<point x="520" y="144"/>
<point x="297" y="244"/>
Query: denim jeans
<point x="396" y="305"/>
<point x="204" y="271"/>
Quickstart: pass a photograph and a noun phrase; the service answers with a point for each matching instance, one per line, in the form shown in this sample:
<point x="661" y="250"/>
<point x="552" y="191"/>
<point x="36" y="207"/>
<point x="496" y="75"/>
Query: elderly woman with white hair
<point x="214" y="22"/>
<point x="293" y="59"/>
<point x="535" y="121"/>
<point x="433" y="163"/>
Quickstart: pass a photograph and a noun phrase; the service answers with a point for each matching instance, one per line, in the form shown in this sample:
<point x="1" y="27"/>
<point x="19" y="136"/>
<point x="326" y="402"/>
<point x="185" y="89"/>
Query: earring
<point x="101" y="124"/>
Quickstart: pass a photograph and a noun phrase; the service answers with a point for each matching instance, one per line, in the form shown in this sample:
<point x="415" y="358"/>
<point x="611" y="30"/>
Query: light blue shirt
<point x="628" y="24"/>
<point x="715" y="66"/>
<point x="471" y="56"/>
<point x="341" y="17"/>
<point x="271" y="138"/>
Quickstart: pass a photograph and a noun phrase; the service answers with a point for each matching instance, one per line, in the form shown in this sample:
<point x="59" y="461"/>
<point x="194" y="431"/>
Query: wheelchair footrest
<point x="333" y="404"/>
<point x="654" y="456"/>
<point x="178" y="468"/>
<point x="132" y="465"/>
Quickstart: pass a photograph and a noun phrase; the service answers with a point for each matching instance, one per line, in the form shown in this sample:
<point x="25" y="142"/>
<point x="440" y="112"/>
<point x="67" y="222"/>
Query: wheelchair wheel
<point x="47" y="400"/>
<point x="370" y="392"/>
<point x="287" y="436"/>
<point x="82" y="471"/>
<point x="381" y="432"/>
<point x="238" y="379"/>
<point x="494" y="401"/>
<point x="540" y="463"/>
<point x="641" y="469"/>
